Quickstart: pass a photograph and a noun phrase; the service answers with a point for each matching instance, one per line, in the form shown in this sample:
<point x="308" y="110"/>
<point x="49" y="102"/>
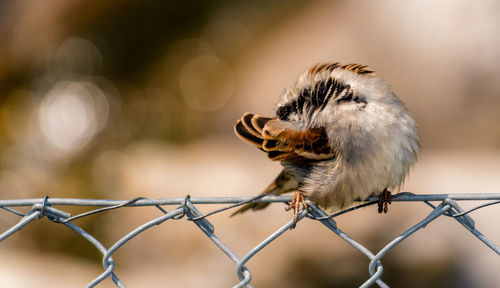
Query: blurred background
<point x="120" y="99"/>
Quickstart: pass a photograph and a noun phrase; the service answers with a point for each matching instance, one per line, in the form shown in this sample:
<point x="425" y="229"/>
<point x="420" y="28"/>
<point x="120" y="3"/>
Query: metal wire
<point x="447" y="205"/>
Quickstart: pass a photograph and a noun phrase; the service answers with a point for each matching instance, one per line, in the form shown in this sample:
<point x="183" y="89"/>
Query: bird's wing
<point x="282" y="141"/>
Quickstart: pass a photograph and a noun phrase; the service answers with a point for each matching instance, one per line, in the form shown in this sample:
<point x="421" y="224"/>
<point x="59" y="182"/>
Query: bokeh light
<point x="206" y="83"/>
<point x="78" y="55"/>
<point x="71" y="114"/>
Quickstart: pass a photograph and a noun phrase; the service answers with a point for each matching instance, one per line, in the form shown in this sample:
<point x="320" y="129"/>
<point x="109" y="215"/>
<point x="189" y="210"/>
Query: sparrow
<point x="341" y="135"/>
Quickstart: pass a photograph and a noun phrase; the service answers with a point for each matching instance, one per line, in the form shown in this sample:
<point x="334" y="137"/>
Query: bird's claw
<point x="298" y="199"/>
<point x="384" y="199"/>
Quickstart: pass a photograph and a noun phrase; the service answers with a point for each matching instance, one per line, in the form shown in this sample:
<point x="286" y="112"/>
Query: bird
<point x="341" y="135"/>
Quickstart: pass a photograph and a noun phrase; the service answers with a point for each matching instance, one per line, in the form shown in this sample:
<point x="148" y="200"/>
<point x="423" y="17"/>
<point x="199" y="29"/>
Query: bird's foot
<point x="384" y="199"/>
<point x="298" y="199"/>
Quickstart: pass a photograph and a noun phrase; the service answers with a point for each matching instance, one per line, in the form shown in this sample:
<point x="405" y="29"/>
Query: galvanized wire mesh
<point x="185" y="208"/>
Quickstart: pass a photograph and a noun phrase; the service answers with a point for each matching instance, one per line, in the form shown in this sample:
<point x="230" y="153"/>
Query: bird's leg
<point x="298" y="198"/>
<point x="384" y="199"/>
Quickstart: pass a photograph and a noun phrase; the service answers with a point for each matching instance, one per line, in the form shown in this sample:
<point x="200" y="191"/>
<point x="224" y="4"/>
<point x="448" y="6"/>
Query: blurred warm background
<point x="119" y="99"/>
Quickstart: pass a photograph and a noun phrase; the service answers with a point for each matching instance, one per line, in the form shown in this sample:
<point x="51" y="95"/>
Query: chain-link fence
<point x="185" y="208"/>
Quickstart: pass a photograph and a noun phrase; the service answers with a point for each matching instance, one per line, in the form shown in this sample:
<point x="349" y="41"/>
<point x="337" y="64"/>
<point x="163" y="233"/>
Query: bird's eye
<point x="345" y="98"/>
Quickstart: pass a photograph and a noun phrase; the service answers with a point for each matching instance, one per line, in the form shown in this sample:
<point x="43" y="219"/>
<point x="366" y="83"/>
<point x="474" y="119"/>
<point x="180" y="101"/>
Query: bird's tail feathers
<point x="285" y="182"/>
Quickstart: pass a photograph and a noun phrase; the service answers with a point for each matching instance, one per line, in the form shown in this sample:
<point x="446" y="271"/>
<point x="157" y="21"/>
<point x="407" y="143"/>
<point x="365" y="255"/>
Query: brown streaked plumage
<point x="328" y="67"/>
<point x="287" y="143"/>
<point x="341" y="135"/>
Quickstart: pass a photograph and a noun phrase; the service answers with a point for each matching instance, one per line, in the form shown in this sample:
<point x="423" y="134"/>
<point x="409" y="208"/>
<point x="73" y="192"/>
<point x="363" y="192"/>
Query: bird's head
<point x="354" y="105"/>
